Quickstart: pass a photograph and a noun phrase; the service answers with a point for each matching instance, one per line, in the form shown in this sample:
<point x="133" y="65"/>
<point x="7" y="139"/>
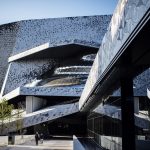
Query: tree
<point x="5" y="114"/>
<point x="19" y="119"/>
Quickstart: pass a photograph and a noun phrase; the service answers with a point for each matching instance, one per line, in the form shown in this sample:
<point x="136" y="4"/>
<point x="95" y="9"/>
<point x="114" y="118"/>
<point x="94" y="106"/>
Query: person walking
<point x="36" y="138"/>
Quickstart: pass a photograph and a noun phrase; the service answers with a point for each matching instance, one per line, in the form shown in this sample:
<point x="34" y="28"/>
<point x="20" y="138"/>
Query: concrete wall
<point x="18" y="139"/>
<point x="34" y="103"/>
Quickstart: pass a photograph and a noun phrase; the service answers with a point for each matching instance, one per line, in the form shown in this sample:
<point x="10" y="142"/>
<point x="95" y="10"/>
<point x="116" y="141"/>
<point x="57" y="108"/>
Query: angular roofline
<point x="45" y="91"/>
<point x="45" y="46"/>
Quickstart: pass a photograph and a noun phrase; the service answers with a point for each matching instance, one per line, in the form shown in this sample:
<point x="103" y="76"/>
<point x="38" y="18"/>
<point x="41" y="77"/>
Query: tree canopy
<point x="5" y="114"/>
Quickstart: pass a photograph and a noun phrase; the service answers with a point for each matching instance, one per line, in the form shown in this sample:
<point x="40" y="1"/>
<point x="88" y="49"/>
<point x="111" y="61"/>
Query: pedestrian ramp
<point x="43" y="115"/>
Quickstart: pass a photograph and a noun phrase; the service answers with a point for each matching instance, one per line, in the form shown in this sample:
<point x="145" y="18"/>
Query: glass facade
<point x="104" y="124"/>
<point x="105" y="121"/>
<point x="142" y="110"/>
<point x="142" y="121"/>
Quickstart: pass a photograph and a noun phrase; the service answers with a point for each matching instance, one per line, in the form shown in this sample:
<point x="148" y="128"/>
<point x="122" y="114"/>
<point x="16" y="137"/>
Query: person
<point x="41" y="138"/>
<point x="36" y="138"/>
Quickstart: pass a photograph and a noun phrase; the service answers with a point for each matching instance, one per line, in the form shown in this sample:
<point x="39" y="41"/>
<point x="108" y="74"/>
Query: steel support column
<point x="127" y="105"/>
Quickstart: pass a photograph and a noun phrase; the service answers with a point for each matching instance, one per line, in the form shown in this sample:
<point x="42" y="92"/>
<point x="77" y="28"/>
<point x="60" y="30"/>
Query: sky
<point x="16" y="10"/>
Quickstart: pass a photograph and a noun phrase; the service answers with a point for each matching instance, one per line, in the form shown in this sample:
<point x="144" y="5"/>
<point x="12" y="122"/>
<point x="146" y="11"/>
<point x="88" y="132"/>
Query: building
<point x="116" y="94"/>
<point x="50" y="71"/>
<point x="44" y="67"/>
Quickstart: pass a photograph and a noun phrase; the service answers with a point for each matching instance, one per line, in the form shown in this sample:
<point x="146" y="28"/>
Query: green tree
<point x="5" y="114"/>
<point x="19" y="119"/>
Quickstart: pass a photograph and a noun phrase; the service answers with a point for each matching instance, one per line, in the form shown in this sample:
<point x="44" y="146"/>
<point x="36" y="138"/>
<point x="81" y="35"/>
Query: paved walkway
<point x="52" y="144"/>
<point x="18" y="139"/>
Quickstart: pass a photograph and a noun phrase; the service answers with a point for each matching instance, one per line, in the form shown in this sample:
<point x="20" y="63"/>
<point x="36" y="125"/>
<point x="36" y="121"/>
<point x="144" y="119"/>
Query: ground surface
<point x="50" y="144"/>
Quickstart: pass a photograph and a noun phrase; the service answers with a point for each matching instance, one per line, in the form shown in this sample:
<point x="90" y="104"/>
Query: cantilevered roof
<point x="74" y="91"/>
<point x="129" y="19"/>
<point x="60" y="50"/>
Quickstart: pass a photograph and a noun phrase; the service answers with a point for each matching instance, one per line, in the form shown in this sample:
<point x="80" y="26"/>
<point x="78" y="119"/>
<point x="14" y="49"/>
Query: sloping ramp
<point x="44" y="115"/>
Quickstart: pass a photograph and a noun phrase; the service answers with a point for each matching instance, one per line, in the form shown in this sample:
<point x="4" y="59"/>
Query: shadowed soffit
<point x="55" y="51"/>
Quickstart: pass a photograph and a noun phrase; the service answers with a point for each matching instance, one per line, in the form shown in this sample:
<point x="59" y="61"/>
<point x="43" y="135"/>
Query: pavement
<point x="55" y="143"/>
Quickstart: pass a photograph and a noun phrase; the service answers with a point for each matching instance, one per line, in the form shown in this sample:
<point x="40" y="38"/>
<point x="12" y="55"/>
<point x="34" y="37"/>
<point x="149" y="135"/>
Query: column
<point x="127" y="105"/>
<point x="34" y="103"/>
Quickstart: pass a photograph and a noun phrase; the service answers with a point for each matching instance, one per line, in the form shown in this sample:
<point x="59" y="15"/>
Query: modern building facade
<point x="82" y="76"/>
<point x="116" y="94"/>
<point x="44" y="67"/>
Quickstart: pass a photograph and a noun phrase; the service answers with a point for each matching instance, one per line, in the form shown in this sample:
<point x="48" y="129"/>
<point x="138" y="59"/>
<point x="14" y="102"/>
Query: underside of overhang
<point x="138" y="48"/>
<point x="56" y="51"/>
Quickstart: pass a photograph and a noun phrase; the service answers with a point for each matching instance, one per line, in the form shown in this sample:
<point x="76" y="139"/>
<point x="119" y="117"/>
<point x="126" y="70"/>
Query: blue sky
<point x="15" y="10"/>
